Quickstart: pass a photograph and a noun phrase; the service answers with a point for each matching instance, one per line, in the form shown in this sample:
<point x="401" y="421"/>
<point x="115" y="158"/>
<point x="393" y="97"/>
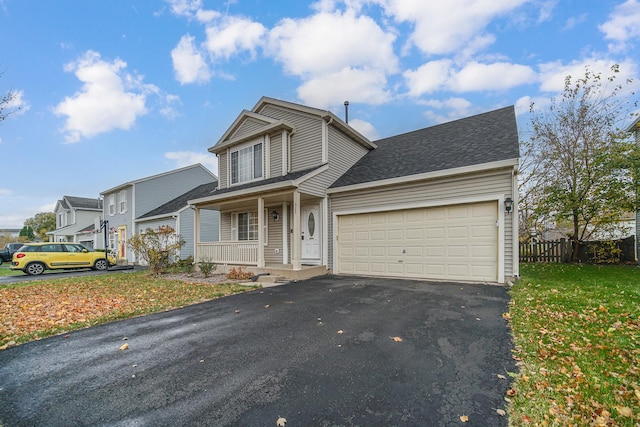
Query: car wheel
<point x="35" y="269"/>
<point x="100" y="264"/>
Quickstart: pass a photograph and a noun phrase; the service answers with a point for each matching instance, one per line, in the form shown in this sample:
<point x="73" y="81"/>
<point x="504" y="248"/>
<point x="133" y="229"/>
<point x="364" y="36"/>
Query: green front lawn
<point x="576" y="331"/>
<point x="5" y="271"/>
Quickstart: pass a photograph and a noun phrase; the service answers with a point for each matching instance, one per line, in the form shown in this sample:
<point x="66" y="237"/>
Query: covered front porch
<point x="283" y="230"/>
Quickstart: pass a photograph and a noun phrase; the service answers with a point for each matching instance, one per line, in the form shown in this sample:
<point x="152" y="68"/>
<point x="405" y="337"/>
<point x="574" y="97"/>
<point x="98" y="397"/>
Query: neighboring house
<point x="127" y="202"/>
<point x="634" y="129"/>
<point x="180" y="216"/>
<point x="76" y="220"/>
<point x="10" y="232"/>
<point x="298" y="186"/>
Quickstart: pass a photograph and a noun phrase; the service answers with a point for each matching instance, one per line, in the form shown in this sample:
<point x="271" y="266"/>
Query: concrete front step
<point x="271" y="279"/>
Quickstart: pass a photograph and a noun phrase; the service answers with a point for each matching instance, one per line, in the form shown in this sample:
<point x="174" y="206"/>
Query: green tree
<point x="157" y="247"/>
<point x="40" y="224"/>
<point x="582" y="161"/>
<point x="27" y="233"/>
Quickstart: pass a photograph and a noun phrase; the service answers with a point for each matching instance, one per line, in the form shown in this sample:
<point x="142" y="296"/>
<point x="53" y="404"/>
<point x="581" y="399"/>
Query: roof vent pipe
<point x="346" y="111"/>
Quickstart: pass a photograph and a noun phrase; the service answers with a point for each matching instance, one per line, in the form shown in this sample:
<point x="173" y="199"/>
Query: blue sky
<point x="113" y="91"/>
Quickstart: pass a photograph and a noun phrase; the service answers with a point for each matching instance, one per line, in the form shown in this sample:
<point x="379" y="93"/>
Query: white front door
<point x="311" y="234"/>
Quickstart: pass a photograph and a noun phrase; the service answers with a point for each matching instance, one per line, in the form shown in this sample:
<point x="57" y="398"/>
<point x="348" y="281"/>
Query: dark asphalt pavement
<point x="249" y="359"/>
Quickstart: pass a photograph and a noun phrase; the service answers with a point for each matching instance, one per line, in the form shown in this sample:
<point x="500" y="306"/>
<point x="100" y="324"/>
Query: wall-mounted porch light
<point x="508" y="204"/>
<point x="275" y="215"/>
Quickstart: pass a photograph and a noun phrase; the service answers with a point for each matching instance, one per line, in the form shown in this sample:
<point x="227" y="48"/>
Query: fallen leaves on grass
<point x="578" y="346"/>
<point x="38" y="309"/>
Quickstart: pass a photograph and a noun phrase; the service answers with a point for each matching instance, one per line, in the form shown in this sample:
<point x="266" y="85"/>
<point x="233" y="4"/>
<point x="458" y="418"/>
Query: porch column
<point x="286" y="231"/>
<point x="296" y="238"/>
<point x="196" y="234"/>
<point x="261" y="236"/>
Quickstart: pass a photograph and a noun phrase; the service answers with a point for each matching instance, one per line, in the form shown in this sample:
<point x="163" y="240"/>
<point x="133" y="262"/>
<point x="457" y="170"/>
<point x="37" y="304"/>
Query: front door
<point x="122" y="242"/>
<point x="311" y="235"/>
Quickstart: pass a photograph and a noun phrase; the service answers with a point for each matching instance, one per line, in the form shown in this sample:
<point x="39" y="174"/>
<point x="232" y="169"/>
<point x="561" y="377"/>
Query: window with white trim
<point x="122" y="201"/>
<point x="246" y="164"/>
<point x="61" y="221"/>
<point x="112" y="204"/>
<point x="244" y="226"/>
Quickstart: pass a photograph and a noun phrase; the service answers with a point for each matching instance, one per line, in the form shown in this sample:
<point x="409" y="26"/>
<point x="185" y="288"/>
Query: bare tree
<point x="583" y="162"/>
<point x="7" y="103"/>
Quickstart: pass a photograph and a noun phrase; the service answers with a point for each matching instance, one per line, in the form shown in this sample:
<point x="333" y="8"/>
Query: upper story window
<point x="246" y="163"/>
<point x="112" y="204"/>
<point x="61" y="220"/>
<point x="122" y="201"/>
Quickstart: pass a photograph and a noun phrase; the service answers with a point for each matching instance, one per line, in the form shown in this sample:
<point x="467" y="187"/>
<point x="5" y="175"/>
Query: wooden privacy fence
<point x="551" y="251"/>
<point x="591" y="252"/>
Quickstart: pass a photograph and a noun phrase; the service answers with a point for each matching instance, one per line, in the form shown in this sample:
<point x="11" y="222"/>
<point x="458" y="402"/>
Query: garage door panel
<point x="453" y="242"/>
<point x="395" y="234"/>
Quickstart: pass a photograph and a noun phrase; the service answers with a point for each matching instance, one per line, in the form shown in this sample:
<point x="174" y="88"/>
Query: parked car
<point x="6" y="254"/>
<point x="35" y="258"/>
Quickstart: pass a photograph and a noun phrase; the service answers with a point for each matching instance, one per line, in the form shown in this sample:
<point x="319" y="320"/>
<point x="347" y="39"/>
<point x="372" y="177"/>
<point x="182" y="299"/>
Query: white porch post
<point x="196" y="234"/>
<point x="285" y="234"/>
<point x="296" y="241"/>
<point x="261" y="236"/>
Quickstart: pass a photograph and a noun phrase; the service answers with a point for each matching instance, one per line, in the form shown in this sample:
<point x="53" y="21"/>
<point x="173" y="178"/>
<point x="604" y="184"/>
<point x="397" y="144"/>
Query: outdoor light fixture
<point x="508" y="204"/>
<point x="275" y="215"/>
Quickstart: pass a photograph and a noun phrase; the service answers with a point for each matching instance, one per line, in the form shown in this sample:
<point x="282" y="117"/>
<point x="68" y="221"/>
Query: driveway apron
<point x="329" y="351"/>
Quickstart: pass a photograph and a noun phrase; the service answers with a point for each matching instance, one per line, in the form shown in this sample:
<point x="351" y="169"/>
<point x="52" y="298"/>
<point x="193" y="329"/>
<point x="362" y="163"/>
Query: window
<point x="246" y="164"/>
<point x="61" y="220"/>
<point x="112" y="204"/>
<point x="245" y="226"/>
<point x="122" y="201"/>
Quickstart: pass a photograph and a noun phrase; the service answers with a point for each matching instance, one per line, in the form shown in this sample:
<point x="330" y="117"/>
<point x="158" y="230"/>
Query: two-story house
<point x="76" y="219"/>
<point x="179" y="215"/>
<point x="128" y="202"/>
<point x="300" y="187"/>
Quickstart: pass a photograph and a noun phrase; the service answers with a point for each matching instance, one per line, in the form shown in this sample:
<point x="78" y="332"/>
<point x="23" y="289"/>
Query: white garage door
<point x="457" y="242"/>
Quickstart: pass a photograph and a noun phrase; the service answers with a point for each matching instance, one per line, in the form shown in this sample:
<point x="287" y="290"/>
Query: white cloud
<point x="429" y="78"/>
<point x="443" y="27"/>
<point x="623" y="25"/>
<point x="109" y="99"/>
<point x="187" y="158"/>
<point x="188" y="64"/>
<point x="5" y="192"/>
<point x="552" y="74"/>
<point x="234" y="35"/>
<point x="485" y="77"/>
<point x="365" y="128"/>
<point x="349" y="84"/>
<point x="327" y="43"/>
<point x="474" y="76"/>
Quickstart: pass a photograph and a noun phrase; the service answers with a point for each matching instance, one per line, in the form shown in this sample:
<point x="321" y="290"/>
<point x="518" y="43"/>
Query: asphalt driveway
<point x="318" y="353"/>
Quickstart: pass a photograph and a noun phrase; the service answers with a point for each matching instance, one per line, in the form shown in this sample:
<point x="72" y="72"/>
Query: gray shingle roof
<point x="180" y="202"/>
<point x="80" y="203"/>
<point x="292" y="176"/>
<point x="484" y="138"/>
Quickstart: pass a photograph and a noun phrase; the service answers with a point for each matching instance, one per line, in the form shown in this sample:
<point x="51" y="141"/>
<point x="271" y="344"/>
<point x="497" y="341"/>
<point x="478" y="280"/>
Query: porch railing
<point x="245" y="253"/>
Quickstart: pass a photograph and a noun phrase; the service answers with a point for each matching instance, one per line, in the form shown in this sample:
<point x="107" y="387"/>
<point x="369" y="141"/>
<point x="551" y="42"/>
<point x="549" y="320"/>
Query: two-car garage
<point x="454" y="242"/>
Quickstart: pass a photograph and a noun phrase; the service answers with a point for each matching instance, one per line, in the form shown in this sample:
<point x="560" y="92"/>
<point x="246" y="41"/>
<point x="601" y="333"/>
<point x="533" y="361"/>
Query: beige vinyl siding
<point x="248" y="126"/>
<point x="343" y="153"/>
<point x="275" y="238"/>
<point x="431" y="192"/>
<point x="223" y="182"/>
<point x="276" y="154"/>
<point x="225" y="226"/>
<point x="306" y="142"/>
